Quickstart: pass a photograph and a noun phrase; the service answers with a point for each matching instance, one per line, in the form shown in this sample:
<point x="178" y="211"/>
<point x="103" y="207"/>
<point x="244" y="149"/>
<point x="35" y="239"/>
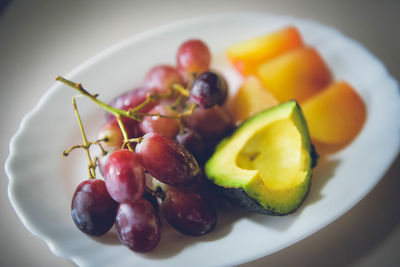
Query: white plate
<point x="41" y="182"/>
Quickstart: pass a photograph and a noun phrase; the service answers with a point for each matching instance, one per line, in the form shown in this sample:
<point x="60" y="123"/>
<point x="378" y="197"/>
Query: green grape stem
<point x="80" y="89"/>
<point x="133" y="113"/>
<point x="124" y="132"/>
<point x="182" y="90"/>
<point x="86" y="144"/>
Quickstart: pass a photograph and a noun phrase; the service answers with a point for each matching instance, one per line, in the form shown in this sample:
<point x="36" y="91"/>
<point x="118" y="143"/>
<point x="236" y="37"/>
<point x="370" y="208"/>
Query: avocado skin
<point x="239" y="197"/>
<point x="314" y="156"/>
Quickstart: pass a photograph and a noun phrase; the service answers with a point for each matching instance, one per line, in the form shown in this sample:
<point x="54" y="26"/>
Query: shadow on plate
<point x="173" y="243"/>
<point x="324" y="171"/>
<point x="109" y="238"/>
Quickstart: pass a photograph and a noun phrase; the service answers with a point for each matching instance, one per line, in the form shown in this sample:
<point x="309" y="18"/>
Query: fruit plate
<point x="41" y="182"/>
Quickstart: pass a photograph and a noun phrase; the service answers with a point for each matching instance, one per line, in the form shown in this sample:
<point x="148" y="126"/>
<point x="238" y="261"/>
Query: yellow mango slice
<point x="336" y="115"/>
<point x="247" y="55"/>
<point x="298" y="74"/>
<point x="250" y="99"/>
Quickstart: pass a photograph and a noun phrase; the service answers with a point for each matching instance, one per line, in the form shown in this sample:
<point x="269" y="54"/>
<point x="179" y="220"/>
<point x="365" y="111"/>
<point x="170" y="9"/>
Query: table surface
<point x="40" y="39"/>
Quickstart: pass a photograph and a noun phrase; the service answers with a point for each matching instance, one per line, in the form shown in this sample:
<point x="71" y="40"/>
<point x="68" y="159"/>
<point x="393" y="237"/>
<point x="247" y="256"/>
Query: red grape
<point x="111" y="133"/>
<point x="208" y="89"/>
<point x="92" y="208"/>
<point x="193" y="142"/>
<point x="124" y="176"/>
<point x="166" y="160"/>
<point x="130" y="99"/>
<point x="189" y="212"/>
<point x="138" y="226"/>
<point x="160" y="78"/>
<point x="193" y="56"/>
<point x="212" y="124"/>
<point x="166" y="126"/>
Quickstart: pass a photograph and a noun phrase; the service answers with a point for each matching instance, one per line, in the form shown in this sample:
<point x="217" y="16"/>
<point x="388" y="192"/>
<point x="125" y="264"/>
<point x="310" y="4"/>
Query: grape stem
<point x="80" y="89"/>
<point x="182" y="90"/>
<point x="97" y="142"/>
<point x="133" y="113"/>
<point x="127" y="142"/>
<point x="124" y="133"/>
<point x="86" y="144"/>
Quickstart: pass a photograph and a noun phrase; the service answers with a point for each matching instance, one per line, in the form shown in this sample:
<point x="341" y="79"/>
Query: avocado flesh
<point x="268" y="159"/>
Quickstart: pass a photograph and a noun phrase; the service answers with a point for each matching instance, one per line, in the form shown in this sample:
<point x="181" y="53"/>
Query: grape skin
<point x="111" y="134"/>
<point x="124" y="176"/>
<point x="160" y="78"/>
<point x="193" y="56"/>
<point x="130" y="99"/>
<point x="212" y="123"/>
<point x="166" y="126"/>
<point x="194" y="143"/>
<point x="166" y="160"/>
<point x="138" y="226"/>
<point x="189" y="212"/>
<point x="208" y="89"/>
<point x="93" y="210"/>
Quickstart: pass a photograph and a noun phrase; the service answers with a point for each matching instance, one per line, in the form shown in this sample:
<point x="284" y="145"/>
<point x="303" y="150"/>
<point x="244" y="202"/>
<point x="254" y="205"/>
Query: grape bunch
<point x="165" y="129"/>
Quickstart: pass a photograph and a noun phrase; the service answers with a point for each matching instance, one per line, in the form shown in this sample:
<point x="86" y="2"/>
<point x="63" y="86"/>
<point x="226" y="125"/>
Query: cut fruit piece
<point x="336" y="115"/>
<point x="298" y="75"/>
<point x="247" y="55"/>
<point x="266" y="164"/>
<point x="251" y="98"/>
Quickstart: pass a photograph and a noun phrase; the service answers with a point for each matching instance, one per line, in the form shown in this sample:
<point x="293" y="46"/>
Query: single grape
<point x="138" y="226"/>
<point x="193" y="57"/>
<point x="208" y="89"/>
<point x="124" y="176"/>
<point x="166" y="126"/>
<point x="189" y="212"/>
<point x="193" y="142"/>
<point x="111" y="134"/>
<point x="212" y="124"/>
<point x="166" y="160"/>
<point x="92" y="208"/>
<point x="160" y="78"/>
<point x="130" y="99"/>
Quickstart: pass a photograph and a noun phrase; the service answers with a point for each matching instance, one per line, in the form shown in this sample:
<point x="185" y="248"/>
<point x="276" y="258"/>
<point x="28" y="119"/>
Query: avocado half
<point x="265" y="165"/>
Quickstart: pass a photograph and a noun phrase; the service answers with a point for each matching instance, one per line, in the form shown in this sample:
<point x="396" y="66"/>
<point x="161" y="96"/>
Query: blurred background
<point x="40" y="39"/>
